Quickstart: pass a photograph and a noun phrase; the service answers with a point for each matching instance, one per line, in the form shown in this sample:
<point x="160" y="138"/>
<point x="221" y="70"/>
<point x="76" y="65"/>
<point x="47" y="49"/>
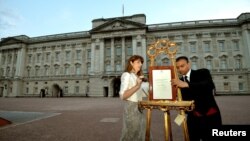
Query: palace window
<point x="194" y="63"/>
<point x="30" y="58"/>
<point x="107" y="66"/>
<point x="27" y="90"/>
<point x="209" y="64"/>
<point x="238" y="64"/>
<point x="67" y="53"/>
<point x="222" y="46"/>
<point x="3" y="60"/>
<point x="38" y="57"/>
<point x="78" y="69"/>
<point x="223" y="62"/>
<point x="37" y="71"/>
<point x="138" y="44"/>
<point x="118" y="51"/>
<point x="47" y="57"/>
<point x="97" y="47"/>
<point x="78" y="54"/>
<point x="35" y="90"/>
<point x="28" y="71"/>
<point x="207" y="47"/>
<point x="241" y="86"/>
<point x="66" y="89"/>
<point x="66" y="70"/>
<point x="193" y="47"/>
<point x="108" y="52"/>
<point x="236" y="45"/>
<point x="46" y="70"/>
<point x="165" y="62"/>
<point x="57" y="56"/>
<point x="226" y="86"/>
<point x="56" y="72"/>
<point x="128" y="46"/>
<point x="8" y="71"/>
<point x="180" y="47"/>
<point x="15" y="58"/>
<point x="9" y="59"/>
<point x="76" y="89"/>
<point x="118" y="66"/>
<point x="88" y="68"/>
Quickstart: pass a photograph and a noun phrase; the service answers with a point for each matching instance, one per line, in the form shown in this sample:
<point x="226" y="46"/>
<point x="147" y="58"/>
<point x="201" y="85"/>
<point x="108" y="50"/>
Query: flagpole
<point x="122" y="9"/>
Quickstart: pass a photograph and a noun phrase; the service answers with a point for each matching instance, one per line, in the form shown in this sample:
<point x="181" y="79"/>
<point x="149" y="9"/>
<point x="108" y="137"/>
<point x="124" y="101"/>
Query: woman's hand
<point x="138" y="82"/>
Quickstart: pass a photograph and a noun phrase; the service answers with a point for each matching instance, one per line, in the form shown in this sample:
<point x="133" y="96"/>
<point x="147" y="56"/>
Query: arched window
<point x="46" y="70"/>
<point x="66" y="69"/>
<point x="56" y="70"/>
<point x="88" y="68"/>
<point x="223" y="62"/>
<point x="37" y="70"/>
<point x="209" y="62"/>
<point x="194" y="63"/>
<point x="78" y="69"/>
<point x="118" y="66"/>
<point x="107" y="66"/>
<point x="238" y="61"/>
<point x="28" y="71"/>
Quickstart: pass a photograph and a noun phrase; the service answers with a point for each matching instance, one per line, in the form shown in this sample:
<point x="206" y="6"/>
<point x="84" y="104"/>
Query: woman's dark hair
<point x="132" y="59"/>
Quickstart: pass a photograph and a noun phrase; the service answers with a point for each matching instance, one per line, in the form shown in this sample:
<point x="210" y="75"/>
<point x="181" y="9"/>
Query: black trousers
<point x="199" y="128"/>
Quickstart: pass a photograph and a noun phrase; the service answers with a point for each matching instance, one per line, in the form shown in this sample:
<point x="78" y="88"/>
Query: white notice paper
<point x="162" y="88"/>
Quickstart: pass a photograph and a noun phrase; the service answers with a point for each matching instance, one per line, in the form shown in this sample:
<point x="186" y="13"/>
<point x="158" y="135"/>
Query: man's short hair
<point x="182" y="58"/>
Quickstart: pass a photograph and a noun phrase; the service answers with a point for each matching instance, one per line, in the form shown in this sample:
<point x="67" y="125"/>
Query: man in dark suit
<point x="198" y="85"/>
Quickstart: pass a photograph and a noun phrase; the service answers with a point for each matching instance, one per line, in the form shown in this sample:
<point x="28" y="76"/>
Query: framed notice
<point x="160" y="83"/>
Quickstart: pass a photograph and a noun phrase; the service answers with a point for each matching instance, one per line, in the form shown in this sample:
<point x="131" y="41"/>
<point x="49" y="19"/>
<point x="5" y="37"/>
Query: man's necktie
<point x="185" y="79"/>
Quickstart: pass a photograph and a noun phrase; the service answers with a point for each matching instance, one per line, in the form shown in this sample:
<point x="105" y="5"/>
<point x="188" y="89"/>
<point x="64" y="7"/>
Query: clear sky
<point x="46" y="17"/>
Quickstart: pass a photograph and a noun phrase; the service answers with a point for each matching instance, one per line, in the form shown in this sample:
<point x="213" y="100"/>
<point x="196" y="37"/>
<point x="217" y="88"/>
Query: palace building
<point x="91" y="62"/>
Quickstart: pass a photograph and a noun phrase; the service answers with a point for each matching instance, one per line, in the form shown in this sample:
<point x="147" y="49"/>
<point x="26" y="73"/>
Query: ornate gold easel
<point x="169" y="48"/>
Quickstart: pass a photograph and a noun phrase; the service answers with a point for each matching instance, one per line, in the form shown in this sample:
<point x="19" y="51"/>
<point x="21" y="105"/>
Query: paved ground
<point x="92" y="119"/>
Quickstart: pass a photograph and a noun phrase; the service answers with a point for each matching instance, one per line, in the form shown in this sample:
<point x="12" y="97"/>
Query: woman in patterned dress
<point x="131" y="91"/>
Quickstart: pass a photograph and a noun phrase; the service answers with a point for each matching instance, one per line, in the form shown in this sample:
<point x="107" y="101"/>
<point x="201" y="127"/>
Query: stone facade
<point x="90" y="63"/>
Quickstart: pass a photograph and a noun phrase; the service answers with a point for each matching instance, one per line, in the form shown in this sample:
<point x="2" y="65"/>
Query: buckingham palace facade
<point x="90" y="63"/>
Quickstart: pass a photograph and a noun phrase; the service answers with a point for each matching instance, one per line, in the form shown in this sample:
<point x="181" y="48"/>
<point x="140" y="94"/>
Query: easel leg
<point x="185" y="128"/>
<point x="148" y="125"/>
<point x="168" y="133"/>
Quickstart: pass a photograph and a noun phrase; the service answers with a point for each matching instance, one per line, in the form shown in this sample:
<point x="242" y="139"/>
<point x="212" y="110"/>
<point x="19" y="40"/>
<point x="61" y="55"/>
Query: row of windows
<point x="8" y="59"/>
<point x="56" y="69"/>
<point x="195" y="35"/>
<point x="209" y="63"/>
<point x="207" y="46"/>
<point x="38" y="58"/>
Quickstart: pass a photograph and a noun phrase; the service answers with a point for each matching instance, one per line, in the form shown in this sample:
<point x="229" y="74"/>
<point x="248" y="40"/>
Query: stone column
<point x="101" y="55"/>
<point x="1" y="54"/>
<point x="20" y="64"/>
<point x="134" y="45"/>
<point x="96" y="56"/>
<point x="112" y="55"/>
<point x="123" y="54"/>
<point x="92" y="67"/>
<point x="144" y="52"/>
<point x="246" y="44"/>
